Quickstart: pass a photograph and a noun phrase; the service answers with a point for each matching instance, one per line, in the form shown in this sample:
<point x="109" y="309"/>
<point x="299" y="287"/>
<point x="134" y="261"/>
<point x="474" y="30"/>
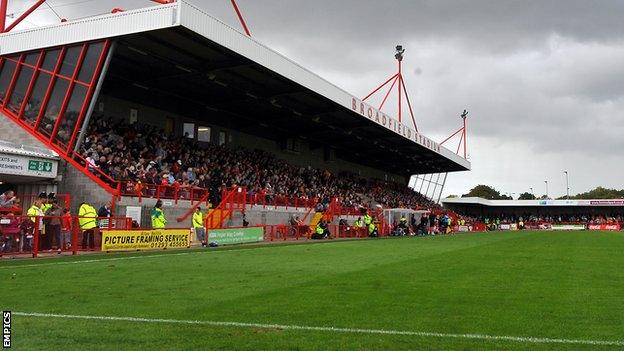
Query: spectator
<point x="35" y="221"/>
<point x="135" y="152"/>
<point x="158" y="216"/>
<point x="66" y="226"/>
<point x="198" y="225"/>
<point x="7" y="199"/>
<point x="87" y="218"/>
<point x="104" y="214"/>
<point x="53" y="227"/>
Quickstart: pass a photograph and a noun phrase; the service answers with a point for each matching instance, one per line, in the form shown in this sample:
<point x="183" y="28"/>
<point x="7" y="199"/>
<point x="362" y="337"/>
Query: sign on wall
<point x="236" y="235"/>
<point x="134" y="212"/>
<point x="28" y="166"/>
<point x="124" y="240"/>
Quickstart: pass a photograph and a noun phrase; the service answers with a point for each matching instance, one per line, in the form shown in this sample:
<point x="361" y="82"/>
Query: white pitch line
<point x="518" y="339"/>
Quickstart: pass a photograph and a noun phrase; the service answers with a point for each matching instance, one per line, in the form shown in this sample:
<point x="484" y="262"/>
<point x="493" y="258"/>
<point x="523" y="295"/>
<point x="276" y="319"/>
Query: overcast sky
<point x="543" y="81"/>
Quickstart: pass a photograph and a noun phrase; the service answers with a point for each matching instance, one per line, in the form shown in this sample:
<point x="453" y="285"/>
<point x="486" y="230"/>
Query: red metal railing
<point x="304" y="232"/>
<point x="232" y="200"/>
<point x="266" y="199"/>
<point x="194" y="207"/>
<point x="53" y="234"/>
<point x="155" y="191"/>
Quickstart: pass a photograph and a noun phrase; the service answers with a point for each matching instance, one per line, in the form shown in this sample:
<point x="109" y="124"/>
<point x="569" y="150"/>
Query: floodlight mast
<point x="463" y="134"/>
<point x="397" y="79"/>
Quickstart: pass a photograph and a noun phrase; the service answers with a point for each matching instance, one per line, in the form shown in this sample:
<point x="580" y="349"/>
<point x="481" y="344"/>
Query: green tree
<point x="600" y="193"/>
<point x="452" y="197"/>
<point x="485" y="192"/>
<point x="526" y="196"/>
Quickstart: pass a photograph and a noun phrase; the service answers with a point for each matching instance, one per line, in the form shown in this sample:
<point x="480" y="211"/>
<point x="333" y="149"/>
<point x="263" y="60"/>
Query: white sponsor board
<point x="134" y="212"/>
<point x="28" y="166"/>
<point x="568" y="227"/>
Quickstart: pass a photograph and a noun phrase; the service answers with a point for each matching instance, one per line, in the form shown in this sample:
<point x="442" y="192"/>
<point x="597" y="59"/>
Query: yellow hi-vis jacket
<point x="45" y="207"/>
<point x="371" y="228"/>
<point x="319" y="229"/>
<point x="33" y="212"/>
<point x="158" y="218"/>
<point x="86" y="217"/>
<point x="198" y="220"/>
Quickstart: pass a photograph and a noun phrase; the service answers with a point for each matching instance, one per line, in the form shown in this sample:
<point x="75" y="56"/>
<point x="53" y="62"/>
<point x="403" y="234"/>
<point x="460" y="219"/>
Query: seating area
<point x="143" y="154"/>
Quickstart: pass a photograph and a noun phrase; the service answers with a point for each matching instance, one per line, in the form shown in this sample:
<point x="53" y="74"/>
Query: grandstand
<point x="111" y="122"/>
<point x="192" y="80"/>
<point x="597" y="214"/>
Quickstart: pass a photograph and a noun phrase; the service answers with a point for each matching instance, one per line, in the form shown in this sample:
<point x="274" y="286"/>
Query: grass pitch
<point x="547" y="285"/>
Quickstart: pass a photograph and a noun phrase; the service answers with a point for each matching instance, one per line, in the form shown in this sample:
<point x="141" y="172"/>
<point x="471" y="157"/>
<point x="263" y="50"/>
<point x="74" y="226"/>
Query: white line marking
<point x="518" y="339"/>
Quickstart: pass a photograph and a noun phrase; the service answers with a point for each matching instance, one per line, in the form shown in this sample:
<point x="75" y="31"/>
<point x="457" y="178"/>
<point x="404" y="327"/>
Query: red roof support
<point x="401" y="89"/>
<point x="3" y="8"/>
<point x="240" y="18"/>
<point x="462" y="132"/>
<point x="3" y="13"/>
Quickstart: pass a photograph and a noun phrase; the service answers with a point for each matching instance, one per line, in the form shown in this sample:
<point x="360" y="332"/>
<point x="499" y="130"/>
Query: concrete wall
<point x="12" y="132"/>
<point x="81" y="188"/>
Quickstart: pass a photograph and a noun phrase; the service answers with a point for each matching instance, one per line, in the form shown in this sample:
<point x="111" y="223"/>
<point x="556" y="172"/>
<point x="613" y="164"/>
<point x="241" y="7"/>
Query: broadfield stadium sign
<point x="392" y="124"/>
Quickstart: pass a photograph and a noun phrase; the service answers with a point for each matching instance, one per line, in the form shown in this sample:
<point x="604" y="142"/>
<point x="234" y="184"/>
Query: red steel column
<point x="240" y="18"/>
<point x="464" y="137"/>
<point x="48" y="93"/>
<point x="31" y="85"/>
<point x="68" y="93"/>
<point x="94" y="86"/>
<point x="3" y="13"/>
<point x="9" y="92"/>
<point x="401" y="83"/>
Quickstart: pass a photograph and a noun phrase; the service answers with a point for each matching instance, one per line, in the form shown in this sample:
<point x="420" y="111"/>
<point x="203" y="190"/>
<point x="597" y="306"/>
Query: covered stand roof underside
<point x="176" y="70"/>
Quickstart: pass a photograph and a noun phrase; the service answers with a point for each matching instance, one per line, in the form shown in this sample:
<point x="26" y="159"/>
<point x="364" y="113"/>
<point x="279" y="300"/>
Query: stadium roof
<point x="477" y="201"/>
<point x="7" y="147"/>
<point x="178" y="58"/>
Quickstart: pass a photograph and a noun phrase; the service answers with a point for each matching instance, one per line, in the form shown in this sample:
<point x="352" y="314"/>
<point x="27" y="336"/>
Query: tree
<point x="526" y="196"/>
<point x="600" y="193"/>
<point x="452" y="197"/>
<point x="485" y="192"/>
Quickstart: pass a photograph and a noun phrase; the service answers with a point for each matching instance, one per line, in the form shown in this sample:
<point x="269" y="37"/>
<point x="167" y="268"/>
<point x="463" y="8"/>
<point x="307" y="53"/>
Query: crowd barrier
<point x="24" y="235"/>
<point x="266" y="200"/>
<point x="167" y="192"/>
<point x="304" y="232"/>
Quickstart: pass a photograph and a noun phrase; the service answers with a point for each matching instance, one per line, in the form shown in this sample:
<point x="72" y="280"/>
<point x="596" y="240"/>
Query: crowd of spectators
<point x="551" y="219"/>
<point x="144" y="153"/>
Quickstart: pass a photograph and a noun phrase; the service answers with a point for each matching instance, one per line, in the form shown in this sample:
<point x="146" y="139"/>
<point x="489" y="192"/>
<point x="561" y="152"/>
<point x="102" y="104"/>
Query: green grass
<point x="563" y="285"/>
